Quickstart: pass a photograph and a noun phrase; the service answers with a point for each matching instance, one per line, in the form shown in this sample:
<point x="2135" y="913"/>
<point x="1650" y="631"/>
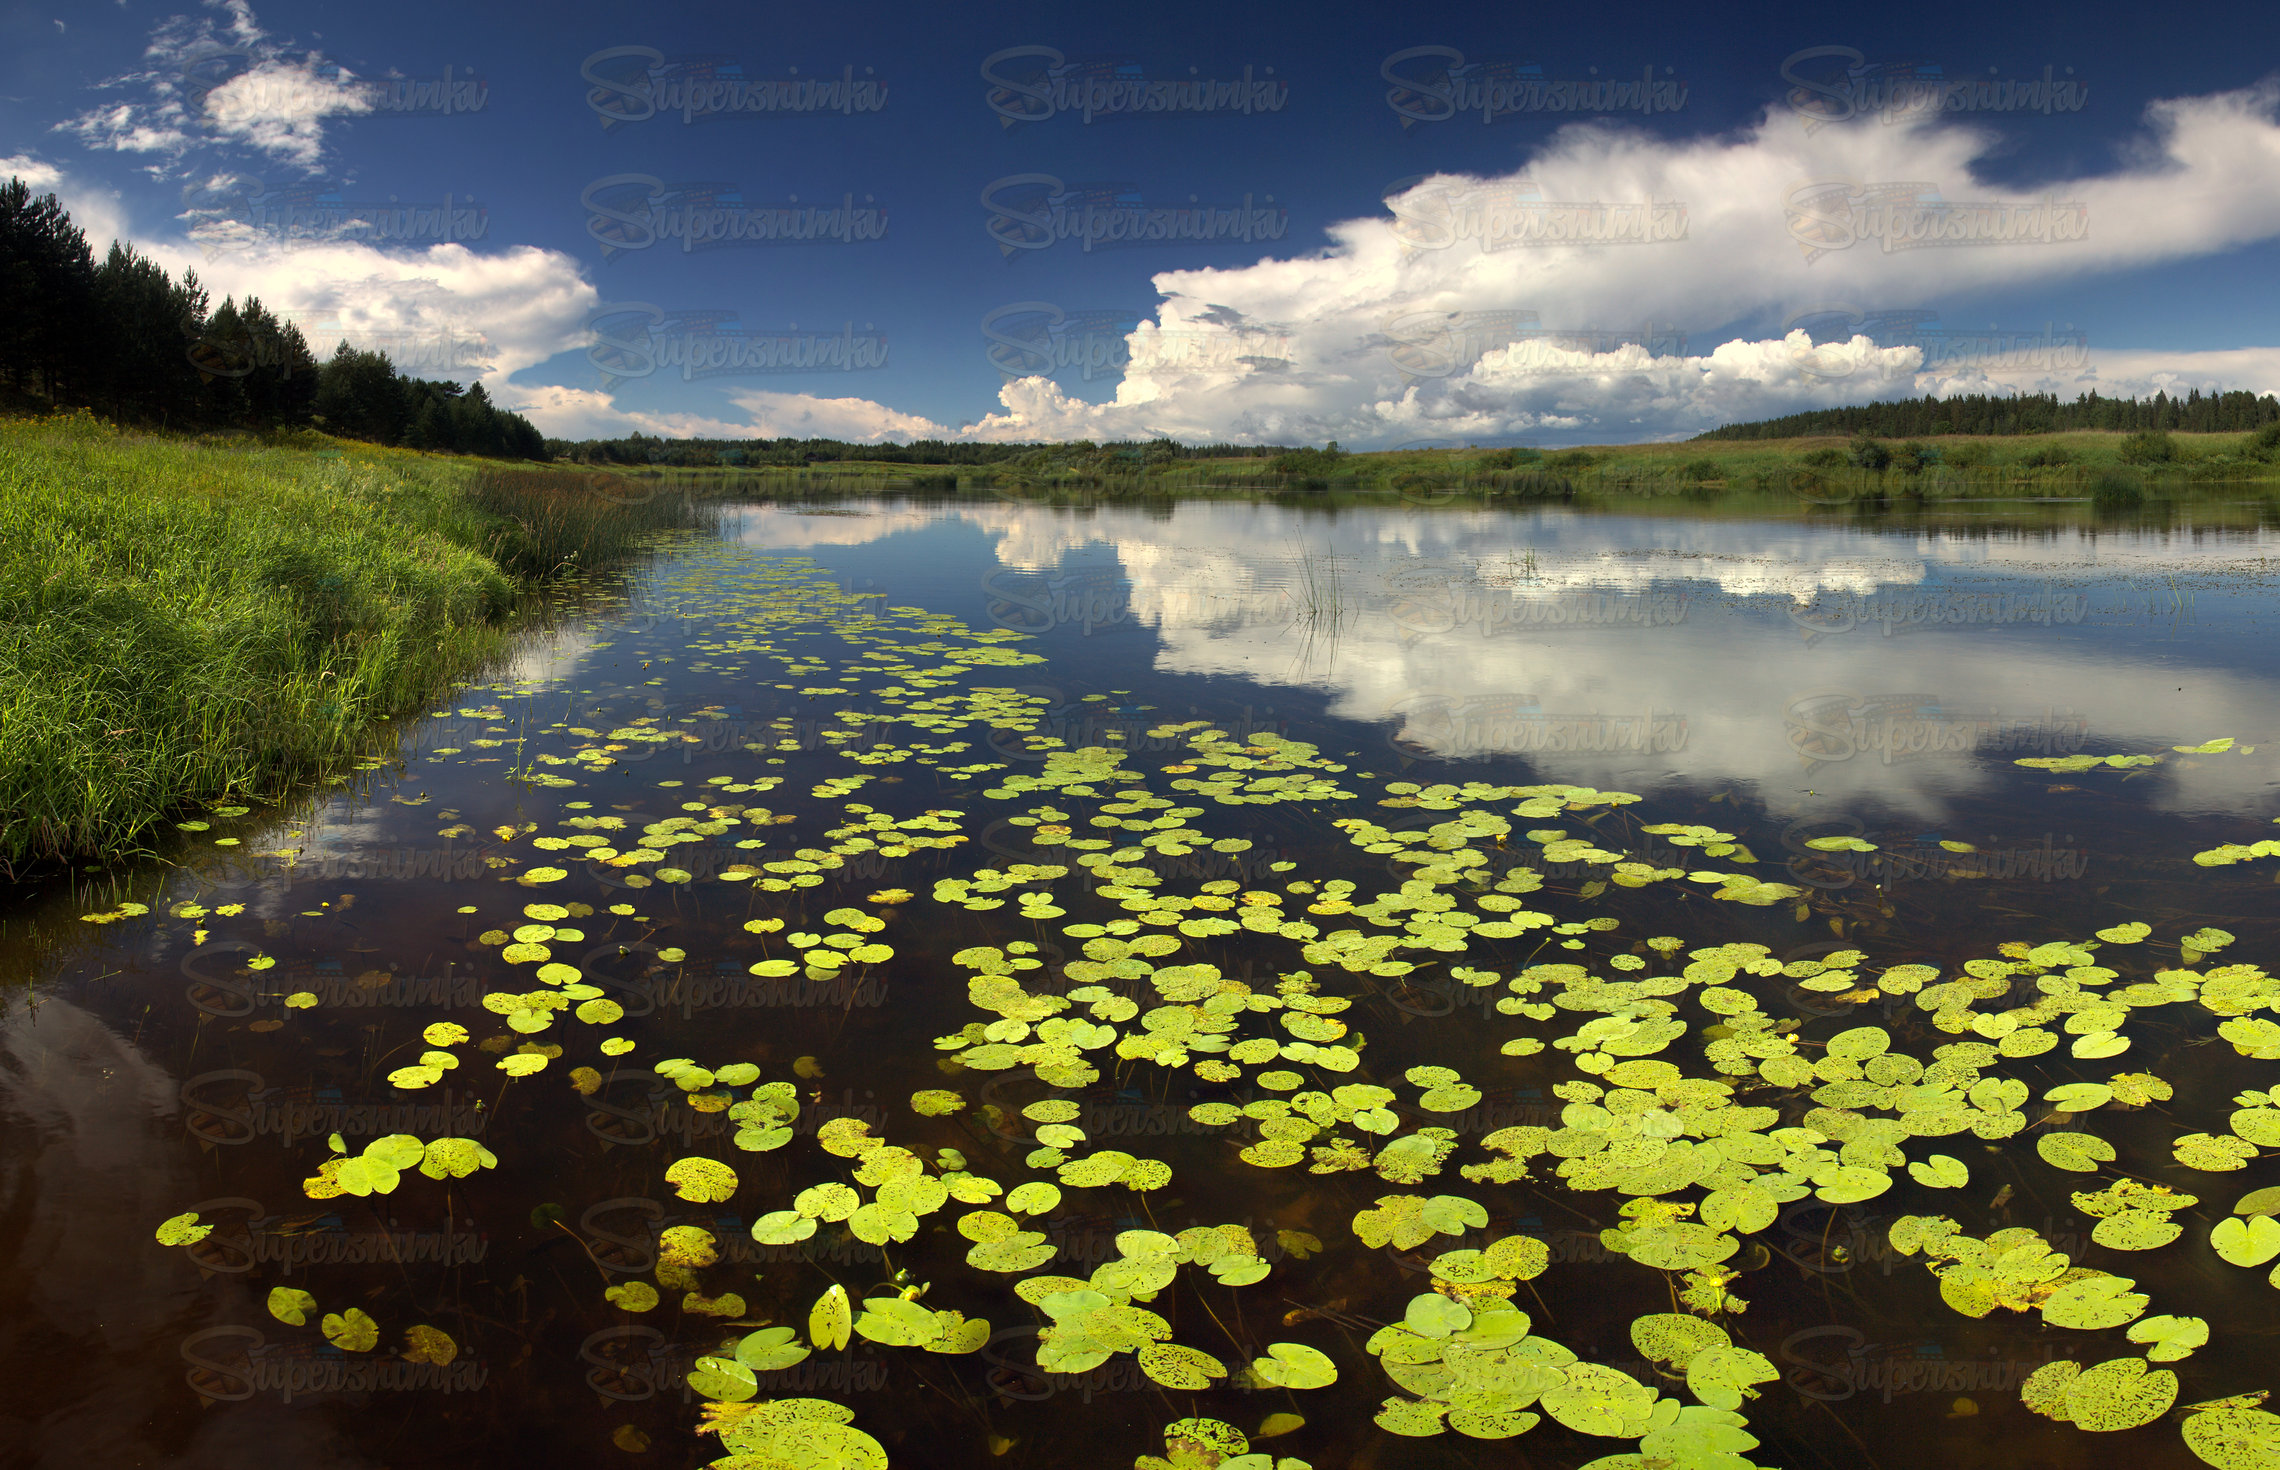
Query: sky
<point x="1384" y="226"/>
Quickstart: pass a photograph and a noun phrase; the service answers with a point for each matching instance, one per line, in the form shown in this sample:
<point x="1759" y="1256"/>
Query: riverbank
<point x="198" y="621"/>
<point x="2084" y="464"/>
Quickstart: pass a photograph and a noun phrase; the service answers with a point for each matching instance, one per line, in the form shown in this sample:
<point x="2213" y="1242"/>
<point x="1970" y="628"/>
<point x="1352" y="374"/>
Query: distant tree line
<point x="2032" y="413"/>
<point x="779" y="453"/>
<point x="124" y="338"/>
<point x="769" y="453"/>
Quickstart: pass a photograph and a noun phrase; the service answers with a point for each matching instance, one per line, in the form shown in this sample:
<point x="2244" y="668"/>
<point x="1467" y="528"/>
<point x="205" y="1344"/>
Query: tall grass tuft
<point x="551" y="520"/>
<point x="2116" y="490"/>
<point x="181" y="621"/>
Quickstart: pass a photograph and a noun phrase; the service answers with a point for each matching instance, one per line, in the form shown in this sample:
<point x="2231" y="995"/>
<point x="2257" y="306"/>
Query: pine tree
<point x="224" y="358"/>
<point x="49" y="342"/>
<point x="430" y="428"/>
<point x="151" y="327"/>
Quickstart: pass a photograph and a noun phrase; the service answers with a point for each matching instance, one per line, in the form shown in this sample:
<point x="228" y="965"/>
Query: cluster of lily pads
<point x="354" y="1330"/>
<point x="1692" y="1110"/>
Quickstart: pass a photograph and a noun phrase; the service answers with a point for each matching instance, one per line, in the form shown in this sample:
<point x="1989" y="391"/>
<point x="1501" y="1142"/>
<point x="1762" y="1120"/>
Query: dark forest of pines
<point x="122" y="337"/>
<point x="2032" y="413"/>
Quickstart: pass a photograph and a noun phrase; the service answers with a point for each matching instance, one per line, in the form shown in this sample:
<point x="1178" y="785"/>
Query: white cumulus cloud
<point x="1374" y="341"/>
<point x="203" y="82"/>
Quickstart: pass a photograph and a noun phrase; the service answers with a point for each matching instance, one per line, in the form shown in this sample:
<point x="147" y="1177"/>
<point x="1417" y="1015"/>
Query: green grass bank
<point x="185" y="620"/>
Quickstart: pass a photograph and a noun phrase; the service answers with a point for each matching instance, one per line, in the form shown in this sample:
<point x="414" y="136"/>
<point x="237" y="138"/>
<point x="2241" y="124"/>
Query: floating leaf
<point x="1408" y="1220"/>
<point x="705" y="1181"/>
<point x="1722" y="1377"/>
<point x="783" y="1227"/>
<point x="455" y="1158"/>
<point x="832" y="1320"/>
<point x="2081" y="1153"/>
<point x="2258" y="1125"/>
<point x="1940" y="1171"/>
<point x="1673" y="1338"/>
<point x="1203" y="1442"/>
<point x="1513" y="1257"/>
<point x="1294" y="1365"/>
<point x="896" y="1322"/>
<point x="2246" y="1242"/>
<point x="1412" y="1418"/>
<point x="687" y="1245"/>
<point x="771" y="1350"/>
<point x="804" y="1433"/>
<point x="723" y="1380"/>
<point x="876" y="1224"/>
<point x="1680" y="1247"/>
<point x="367" y="1174"/>
<point x="832" y="1202"/>
<point x="1434" y="1315"/>
<point x="351" y="1331"/>
<point x="183" y="1229"/>
<point x="2234" y="1435"/>
<point x="1594" y="1399"/>
<point x="1860" y="1043"/>
<point x="1849" y="1184"/>
<point x="2172" y="1337"/>
<point x="1020" y="1250"/>
<point x="2044" y="1390"/>
<point x="424" y="1344"/>
<point x="2136" y="1089"/>
<point x="2079" y="1097"/>
<point x="2136" y="1230"/>
<point x="1180" y="1367"/>
<point x="290" y="1305"/>
<point x="2094" y="1302"/>
<point x="2119" y="1394"/>
<point x="2214" y="1154"/>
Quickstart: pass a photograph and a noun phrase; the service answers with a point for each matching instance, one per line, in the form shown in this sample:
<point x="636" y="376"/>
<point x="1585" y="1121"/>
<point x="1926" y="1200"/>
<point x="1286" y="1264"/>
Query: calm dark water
<point x="1777" y="678"/>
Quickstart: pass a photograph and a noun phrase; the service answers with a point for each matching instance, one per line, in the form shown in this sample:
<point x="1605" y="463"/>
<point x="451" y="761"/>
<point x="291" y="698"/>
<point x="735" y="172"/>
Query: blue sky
<point x="2127" y="238"/>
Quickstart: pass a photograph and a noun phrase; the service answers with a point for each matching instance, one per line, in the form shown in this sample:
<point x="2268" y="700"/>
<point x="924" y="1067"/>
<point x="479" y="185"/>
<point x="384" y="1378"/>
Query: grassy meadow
<point x="1932" y="467"/>
<point x="188" y="620"/>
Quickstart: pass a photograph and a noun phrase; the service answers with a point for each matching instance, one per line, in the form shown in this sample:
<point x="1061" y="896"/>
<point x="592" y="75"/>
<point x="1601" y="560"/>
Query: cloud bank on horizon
<point x="1385" y="334"/>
